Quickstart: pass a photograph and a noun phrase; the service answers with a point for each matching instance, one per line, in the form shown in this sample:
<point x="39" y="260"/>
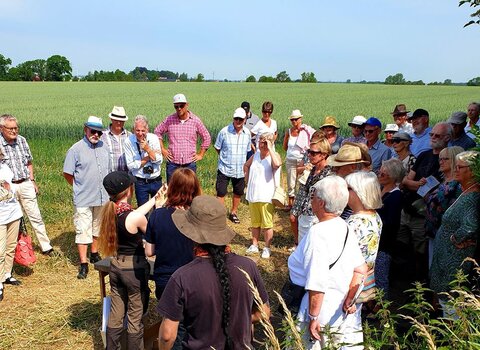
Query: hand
<point x="422" y="181"/>
<point x="315" y="329"/>
<point x="144" y="144"/>
<point x="161" y="196"/>
<point x="167" y="155"/>
<point x="348" y="307"/>
<point x="197" y="157"/>
<point x="5" y="185"/>
<point x="37" y="192"/>
<point x="269" y="145"/>
<point x="309" y="166"/>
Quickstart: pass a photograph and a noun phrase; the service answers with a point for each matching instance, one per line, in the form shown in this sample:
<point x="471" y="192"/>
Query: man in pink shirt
<point x="183" y="128"/>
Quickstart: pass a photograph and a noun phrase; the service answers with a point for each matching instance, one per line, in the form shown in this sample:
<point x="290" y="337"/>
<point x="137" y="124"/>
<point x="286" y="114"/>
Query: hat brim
<point x="333" y="162"/>
<point x="94" y="127"/>
<point x="200" y="235"/>
<point x="356" y="124"/>
<point x="119" y="118"/>
<point x="397" y="113"/>
<point x="295" y="116"/>
<point x="335" y="126"/>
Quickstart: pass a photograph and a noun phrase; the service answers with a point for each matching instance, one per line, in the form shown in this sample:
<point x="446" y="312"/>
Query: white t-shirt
<point x="261" y="185"/>
<point x="261" y="128"/>
<point x="309" y="267"/>
<point x="9" y="209"/>
<point x="293" y="151"/>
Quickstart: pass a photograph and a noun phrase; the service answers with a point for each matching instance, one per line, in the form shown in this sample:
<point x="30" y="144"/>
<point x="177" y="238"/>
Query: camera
<point x="148" y="169"/>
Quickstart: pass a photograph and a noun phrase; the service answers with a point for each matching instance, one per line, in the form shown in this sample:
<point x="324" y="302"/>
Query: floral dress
<point x="367" y="228"/>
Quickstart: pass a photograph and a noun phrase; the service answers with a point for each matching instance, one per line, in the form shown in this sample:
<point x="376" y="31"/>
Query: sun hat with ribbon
<point x="347" y="154"/>
<point x="118" y="113"/>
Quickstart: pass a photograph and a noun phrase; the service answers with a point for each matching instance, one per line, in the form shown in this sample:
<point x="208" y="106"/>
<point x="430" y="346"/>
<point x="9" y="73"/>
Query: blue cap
<point x="374" y="122"/>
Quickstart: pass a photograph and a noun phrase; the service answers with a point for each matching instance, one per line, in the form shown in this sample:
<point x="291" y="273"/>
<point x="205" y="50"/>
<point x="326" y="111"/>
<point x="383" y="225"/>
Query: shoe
<point x="253" y="249"/>
<point x="82" y="271"/>
<point x="234" y="218"/>
<point x="266" y="253"/>
<point x="13" y="281"/>
<point x="95" y="257"/>
<point x="48" y="252"/>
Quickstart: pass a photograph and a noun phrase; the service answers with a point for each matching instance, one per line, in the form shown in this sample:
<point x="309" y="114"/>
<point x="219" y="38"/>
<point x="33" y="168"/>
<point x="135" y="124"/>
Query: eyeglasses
<point x="458" y="167"/>
<point x="314" y="152"/>
<point x="267" y="111"/>
<point x="382" y="174"/>
<point x="238" y="119"/>
<point x="433" y="135"/>
<point x="294" y="119"/>
<point x="11" y="129"/>
<point x="98" y="132"/>
<point x="443" y="159"/>
<point x="369" y="131"/>
<point x="397" y="140"/>
<point x="179" y="106"/>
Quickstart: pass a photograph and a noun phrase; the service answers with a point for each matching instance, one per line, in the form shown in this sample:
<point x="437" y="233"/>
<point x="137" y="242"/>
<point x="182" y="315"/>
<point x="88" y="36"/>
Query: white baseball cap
<point x="391" y="127"/>
<point x="179" y="98"/>
<point x="240" y="113"/>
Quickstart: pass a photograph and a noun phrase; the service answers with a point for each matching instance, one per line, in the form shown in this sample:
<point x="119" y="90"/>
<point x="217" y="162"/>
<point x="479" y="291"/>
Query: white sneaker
<point x="253" y="249"/>
<point x="266" y="253"/>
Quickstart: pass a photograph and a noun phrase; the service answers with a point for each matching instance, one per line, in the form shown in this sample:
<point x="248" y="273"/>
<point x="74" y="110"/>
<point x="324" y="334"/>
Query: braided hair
<point x="217" y="254"/>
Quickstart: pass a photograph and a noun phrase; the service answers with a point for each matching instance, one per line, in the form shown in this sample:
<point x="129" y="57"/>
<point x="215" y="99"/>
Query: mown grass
<point x="52" y="309"/>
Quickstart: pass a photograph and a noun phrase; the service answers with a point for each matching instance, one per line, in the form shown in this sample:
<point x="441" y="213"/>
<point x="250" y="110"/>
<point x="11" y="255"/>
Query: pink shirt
<point x="182" y="136"/>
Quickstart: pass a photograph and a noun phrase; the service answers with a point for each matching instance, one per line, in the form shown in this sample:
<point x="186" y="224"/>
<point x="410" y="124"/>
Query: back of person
<point x="128" y="243"/>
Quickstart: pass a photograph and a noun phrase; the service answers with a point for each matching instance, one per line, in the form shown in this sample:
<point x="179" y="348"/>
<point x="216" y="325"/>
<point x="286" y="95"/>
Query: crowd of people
<point x="359" y="207"/>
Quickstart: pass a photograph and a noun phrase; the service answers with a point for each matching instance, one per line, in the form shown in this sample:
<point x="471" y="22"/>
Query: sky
<point x="336" y="40"/>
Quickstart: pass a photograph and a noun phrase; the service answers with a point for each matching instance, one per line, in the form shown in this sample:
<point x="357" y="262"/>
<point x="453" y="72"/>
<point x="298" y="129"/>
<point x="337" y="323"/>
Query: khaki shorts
<point x="261" y="215"/>
<point x="87" y="224"/>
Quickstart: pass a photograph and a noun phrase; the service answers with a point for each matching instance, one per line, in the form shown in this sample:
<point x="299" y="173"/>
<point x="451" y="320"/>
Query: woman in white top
<point x="262" y="177"/>
<point x="10" y="214"/>
<point x="266" y="124"/>
<point x="296" y="142"/>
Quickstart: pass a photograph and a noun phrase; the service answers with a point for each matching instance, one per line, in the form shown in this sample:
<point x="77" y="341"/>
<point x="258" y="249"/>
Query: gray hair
<point x="140" y="118"/>
<point x="468" y="157"/>
<point x="447" y="126"/>
<point x="476" y="104"/>
<point x="366" y="186"/>
<point x="333" y="191"/>
<point x="395" y="169"/>
<point x="267" y="136"/>
<point x="7" y="117"/>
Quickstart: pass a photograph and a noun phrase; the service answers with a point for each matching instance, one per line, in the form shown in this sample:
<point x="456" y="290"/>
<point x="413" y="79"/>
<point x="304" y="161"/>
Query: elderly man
<point x="357" y="124"/>
<point x="115" y="136"/>
<point x="377" y="150"/>
<point x="400" y="117"/>
<point x="420" y="137"/>
<point x="412" y="224"/>
<point x="458" y="121"/>
<point x="86" y="164"/>
<point x="18" y="157"/>
<point x="232" y="144"/>
<point x="144" y="157"/>
<point x="183" y="128"/>
<point x="327" y="262"/>
<point x="473" y="112"/>
<point x="250" y="121"/>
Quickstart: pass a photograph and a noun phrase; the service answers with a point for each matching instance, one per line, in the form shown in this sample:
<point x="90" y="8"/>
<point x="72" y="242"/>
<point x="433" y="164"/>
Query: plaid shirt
<point x="182" y="136"/>
<point x="303" y="203"/>
<point x="17" y="156"/>
<point x="233" y="150"/>
<point x="116" y="147"/>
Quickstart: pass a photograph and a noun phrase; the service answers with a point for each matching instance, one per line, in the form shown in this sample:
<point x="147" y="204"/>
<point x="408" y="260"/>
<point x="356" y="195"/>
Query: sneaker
<point x="253" y="249"/>
<point x="82" y="271"/>
<point x="95" y="257"/>
<point x="13" y="281"/>
<point x="234" y="218"/>
<point x="266" y="253"/>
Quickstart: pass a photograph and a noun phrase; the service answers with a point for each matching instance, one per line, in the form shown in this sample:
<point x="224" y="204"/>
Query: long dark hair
<point x="217" y="253"/>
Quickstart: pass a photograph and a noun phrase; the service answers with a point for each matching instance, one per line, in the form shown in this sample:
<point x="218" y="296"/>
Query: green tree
<point x="183" y="77"/>
<point x="4" y="67"/>
<point x="251" y="79"/>
<point x="447" y="82"/>
<point x="200" y="77"/>
<point x="308" y="77"/>
<point x="475" y="15"/>
<point x="283" y="77"/>
<point x="27" y="70"/>
<point x="474" y="82"/>
<point x="58" y="68"/>
<point x="265" y="79"/>
<point x="396" y="79"/>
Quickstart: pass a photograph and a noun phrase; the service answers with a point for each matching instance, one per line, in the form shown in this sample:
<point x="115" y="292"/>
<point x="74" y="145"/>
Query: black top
<point x="390" y="214"/>
<point x="128" y="244"/>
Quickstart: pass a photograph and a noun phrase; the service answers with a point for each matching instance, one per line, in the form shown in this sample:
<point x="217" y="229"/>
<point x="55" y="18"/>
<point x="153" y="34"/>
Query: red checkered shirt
<point x="182" y="136"/>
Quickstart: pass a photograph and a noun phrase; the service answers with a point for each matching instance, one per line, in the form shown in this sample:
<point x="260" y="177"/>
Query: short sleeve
<point x="69" y="163"/>
<point x="171" y="302"/>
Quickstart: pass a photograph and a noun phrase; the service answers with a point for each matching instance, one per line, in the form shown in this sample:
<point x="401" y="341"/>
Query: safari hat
<point x="295" y="114"/>
<point x="204" y="222"/>
<point x="94" y="123"/>
<point x="118" y="113"/>
<point x="391" y="127"/>
<point x="457" y="118"/>
<point x="330" y="121"/>
<point x="179" y="98"/>
<point x="399" y="109"/>
<point x="347" y="154"/>
<point x="240" y="113"/>
<point x="358" y="120"/>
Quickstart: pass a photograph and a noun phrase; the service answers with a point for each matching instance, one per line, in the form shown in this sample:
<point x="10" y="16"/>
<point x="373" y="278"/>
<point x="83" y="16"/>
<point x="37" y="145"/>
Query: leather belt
<point x="148" y="181"/>
<point x="16" y="182"/>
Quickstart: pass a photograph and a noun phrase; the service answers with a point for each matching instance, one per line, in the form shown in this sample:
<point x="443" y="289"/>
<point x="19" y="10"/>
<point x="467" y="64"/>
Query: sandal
<point x="234" y="218"/>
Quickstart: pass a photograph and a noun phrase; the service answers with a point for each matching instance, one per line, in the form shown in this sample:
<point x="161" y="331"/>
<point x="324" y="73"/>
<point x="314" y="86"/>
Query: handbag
<point x="279" y="199"/>
<point x="24" y="254"/>
<point x="369" y="288"/>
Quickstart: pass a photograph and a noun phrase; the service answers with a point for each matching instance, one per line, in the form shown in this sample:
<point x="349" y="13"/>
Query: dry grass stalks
<point x="422" y="330"/>
<point x="296" y="339"/>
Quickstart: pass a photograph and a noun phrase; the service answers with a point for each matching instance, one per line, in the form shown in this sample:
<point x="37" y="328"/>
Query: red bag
<point x="24" y="254"/>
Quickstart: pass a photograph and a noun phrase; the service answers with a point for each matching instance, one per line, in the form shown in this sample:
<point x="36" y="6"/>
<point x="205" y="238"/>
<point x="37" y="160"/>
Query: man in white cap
<point x="389" y="131"/>
<point x="183" y="128"/>
<point x="86" y="164"/>
<point x="115" y="136"/>
<point x="357" y="125"/>
<point x="232" y="145"/>
<point x="458" y="121"/>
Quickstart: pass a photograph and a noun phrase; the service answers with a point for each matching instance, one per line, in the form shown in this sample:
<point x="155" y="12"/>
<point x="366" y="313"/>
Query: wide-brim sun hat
<point x="358" y="120"/>
<point x="204" y="222"/>
<point x="391" y="127"/>
<point x="94" y="123"/>
<point x="330" y="121"/>
<point x="400" y="109"/>
<point x="295" y="114"/>
<point x="347" y="154"/>
<point x="118" y="113"/>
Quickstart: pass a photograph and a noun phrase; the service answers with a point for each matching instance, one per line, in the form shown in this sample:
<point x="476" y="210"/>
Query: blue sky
<point x="337" y="40"/>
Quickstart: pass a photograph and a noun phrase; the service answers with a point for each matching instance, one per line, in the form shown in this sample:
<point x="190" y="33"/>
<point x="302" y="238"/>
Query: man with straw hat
<point x="115" y="136"/>
<point x="211" y="294"/>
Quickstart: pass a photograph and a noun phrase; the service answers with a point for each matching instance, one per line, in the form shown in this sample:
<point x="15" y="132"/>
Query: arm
<point x="246" y="168"/>
<point x="314" y="307"/>
<point x="358" y="276"/>
<point x="276" y="159"/>
<point x="160" y="130"/>
<point x="285" y="140"/>
<point x="69" y="178"/>
<point x="257" y="314"/>
<point x="149" y="249"/>
<point x="206" y="141"/>
<point x="410" y="183"/>
<point x="167" y="334"/>
<point x="153" y="149"/>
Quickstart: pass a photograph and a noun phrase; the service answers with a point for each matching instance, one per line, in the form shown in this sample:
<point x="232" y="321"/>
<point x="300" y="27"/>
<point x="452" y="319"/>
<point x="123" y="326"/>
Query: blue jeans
<point x="145" y="189"/>
<point x="171" y="167"/>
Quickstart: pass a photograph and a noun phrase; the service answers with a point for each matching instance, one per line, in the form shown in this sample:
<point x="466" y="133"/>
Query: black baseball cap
<point x="419" y="113"/>
<point x="117" y="181"/>
<point x="245" y="105"/>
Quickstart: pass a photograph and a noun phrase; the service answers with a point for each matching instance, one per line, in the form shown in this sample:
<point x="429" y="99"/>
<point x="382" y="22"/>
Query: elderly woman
<point x="10" y="215"/>
<point x="301" y="215"/>
<point x="330" y="128"/>
<point x="325" y="262"/>
<point x="296" y="143"/>
<point x="459" y="234"/>
<point x="357" y="125"/>
<point x="390" y="176"/>
<point x="265" y="124"/>
<point x="262" y="177"/>
<point x="439" y="199"/>
<point x="401" y="145"/>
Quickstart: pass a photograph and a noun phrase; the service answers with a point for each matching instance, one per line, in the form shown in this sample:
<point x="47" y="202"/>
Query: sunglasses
<point x="390" y="132"/>
<point x="314" y="152"/>
<point x="369" y="131"/>
<point x="397" y="140"/>
<point x="443" y="159"/>
<point x="267" y="111"/>
<point x="294" y="119"/>
<point x="458" y="167"/>
<point x="179" y="106"/>
<point x="237" y="119"/>
<point x="354" y="126"/>
<point x="98" y="132"/>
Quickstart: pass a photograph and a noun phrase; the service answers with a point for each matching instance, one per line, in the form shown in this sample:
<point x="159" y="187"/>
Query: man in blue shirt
<point x="232" y="145"/>
<point x="458" y="121"/>
<point x="421" y="133"/>
<point x="377" y="150"/>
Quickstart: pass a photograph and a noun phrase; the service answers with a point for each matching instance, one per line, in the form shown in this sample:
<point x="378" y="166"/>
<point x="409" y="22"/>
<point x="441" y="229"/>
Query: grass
<point x="52" y="309"/>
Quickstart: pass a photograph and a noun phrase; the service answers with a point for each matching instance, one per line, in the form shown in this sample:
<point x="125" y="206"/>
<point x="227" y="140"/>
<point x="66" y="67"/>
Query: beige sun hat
<point x="204" y="222"/>
<point x="118" y="113"/>
<point x="347" y="154"/>
<point x="330" y="121"/>
<point x="391" y="127"/>
<point x="296" y="114"/>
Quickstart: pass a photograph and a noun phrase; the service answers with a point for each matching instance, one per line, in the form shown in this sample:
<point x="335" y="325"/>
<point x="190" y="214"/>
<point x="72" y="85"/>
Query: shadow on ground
<point x="85" y="316"/>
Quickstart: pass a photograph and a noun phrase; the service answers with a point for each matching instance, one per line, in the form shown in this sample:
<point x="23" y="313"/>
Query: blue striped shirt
<point x="233" y="150"/>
